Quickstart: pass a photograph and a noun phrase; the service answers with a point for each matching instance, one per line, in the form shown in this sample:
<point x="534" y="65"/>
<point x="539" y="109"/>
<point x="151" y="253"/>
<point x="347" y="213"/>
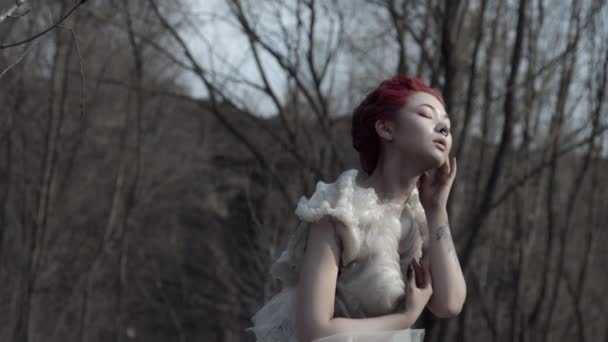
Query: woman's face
<point x="422" y="131"/>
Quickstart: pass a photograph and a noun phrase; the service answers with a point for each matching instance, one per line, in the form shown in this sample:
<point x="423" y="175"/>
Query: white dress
<point x="377" y="246"/>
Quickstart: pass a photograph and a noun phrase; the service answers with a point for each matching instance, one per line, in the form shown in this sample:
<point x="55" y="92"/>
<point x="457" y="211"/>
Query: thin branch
<point x="523" y="179"/>
<point x="9" y="13"/>
<point x="506" y="136"/>
<point x="50" y="28"/>
<point x="16" y="61"/>
<point x="213" y="100"/>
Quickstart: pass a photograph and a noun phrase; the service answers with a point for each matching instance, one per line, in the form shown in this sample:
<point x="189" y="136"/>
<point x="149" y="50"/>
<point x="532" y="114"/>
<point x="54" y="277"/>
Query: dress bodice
<point x="378" y="242"/>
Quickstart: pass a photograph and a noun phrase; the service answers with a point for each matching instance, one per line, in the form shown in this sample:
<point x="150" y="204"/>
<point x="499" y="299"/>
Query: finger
<point x="422" y="179"/>
<point x="446" y="170"/>
<point x="421" y="277"/>
<point x="411" y="276"/>
<point x="427" y="275"/>
<point x="422" y="273"/>
<point x="416" y="271"/>
<point x="441" y="170"/>
<point x="450" y="178"/>
<point x="425" y="261"/>
<point x="430" y="177"/>
<point x="445" y="176"/>
<point x="419" y="272"/>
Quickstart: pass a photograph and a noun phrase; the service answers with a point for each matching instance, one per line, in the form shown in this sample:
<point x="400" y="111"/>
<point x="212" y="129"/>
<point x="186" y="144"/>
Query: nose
<point x="442" y="128"/>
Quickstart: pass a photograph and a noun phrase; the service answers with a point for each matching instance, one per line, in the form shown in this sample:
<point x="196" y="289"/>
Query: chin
<point x="430" y="161"/>
<point x="438" y="163"/>
<point x="437" y="159"/>
<point x="425" y="158"/>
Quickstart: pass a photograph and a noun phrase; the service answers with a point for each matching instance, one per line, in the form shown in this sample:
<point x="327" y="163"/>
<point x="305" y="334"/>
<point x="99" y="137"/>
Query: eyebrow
<point x="434" y="110"/>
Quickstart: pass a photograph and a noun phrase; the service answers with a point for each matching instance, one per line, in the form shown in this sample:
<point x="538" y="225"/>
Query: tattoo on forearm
<point x="452" y="252"/>
<point x="441" y="231"/>
<point x="451" y="249"/>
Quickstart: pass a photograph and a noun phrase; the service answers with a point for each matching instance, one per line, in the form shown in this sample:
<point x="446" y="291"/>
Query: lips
<point x="441" y="144"/>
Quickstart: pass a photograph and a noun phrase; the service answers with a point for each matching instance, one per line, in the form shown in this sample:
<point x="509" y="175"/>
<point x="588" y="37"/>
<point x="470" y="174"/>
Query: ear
<point x="385" y="129"/>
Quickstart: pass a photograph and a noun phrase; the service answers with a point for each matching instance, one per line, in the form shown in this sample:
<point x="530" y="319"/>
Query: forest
<point x="152" y="154"/>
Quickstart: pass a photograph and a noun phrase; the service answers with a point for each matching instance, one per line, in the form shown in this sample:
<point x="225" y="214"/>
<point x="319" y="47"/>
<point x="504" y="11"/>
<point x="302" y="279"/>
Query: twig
<point x="50" y="28"/>
<point x="9" y="12"/>
<point x="17" y="61"/>
<point x="81" y="70"/>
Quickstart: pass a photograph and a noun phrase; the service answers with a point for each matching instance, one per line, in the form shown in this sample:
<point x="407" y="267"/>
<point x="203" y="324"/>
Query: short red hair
<point x="382" y="103"/>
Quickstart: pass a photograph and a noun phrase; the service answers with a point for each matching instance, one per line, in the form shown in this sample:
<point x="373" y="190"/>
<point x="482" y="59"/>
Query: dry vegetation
<point x="132" y="210"/>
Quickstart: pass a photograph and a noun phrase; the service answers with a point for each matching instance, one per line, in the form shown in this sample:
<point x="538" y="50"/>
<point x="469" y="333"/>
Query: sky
<point x="230" y="55"/>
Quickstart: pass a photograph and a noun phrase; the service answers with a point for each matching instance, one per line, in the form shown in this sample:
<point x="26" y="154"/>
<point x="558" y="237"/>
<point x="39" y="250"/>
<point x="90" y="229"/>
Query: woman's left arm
<point x="449" y="288"/>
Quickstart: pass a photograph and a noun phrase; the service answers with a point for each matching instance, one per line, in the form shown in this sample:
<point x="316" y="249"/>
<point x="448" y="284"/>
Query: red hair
<point x="382" y="103"/>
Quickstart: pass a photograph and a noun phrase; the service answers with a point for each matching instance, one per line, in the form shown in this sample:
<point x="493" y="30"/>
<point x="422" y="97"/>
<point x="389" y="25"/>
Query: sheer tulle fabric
<point x="378" y="244"/>
<point x="406" y="335"/>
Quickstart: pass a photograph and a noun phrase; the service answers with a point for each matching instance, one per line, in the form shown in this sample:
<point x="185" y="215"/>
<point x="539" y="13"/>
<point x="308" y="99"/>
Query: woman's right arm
<point x="317" y="287"/>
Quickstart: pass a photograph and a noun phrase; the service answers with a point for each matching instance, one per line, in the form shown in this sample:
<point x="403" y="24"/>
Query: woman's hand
<point x="419" y="289"/>
<point x="435" y="185"/>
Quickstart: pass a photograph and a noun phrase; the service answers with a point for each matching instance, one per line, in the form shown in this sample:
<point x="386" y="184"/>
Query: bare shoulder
<point x="317" y="284"/>
<point x="323" y="233"/>
<point x="323" y="245"/>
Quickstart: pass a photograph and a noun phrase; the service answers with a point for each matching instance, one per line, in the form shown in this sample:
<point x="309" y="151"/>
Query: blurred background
<point x="152" y="154"/>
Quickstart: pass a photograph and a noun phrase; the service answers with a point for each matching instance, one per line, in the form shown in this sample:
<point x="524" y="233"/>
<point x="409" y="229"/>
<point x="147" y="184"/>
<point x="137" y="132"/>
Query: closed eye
<point x="425" y="115"/>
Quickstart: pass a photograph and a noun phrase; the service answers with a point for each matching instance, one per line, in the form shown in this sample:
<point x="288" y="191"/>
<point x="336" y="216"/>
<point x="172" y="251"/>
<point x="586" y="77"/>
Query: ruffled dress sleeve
<point x="274" y="322"/>
<point x="329" y="199"/>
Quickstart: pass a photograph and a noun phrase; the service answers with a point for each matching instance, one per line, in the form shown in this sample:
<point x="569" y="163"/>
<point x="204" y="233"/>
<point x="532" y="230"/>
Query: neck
<point x="393" y="180"/>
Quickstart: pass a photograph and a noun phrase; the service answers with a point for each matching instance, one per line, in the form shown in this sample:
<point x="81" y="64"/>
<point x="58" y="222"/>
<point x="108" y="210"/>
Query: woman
<point x="374" y="248"/>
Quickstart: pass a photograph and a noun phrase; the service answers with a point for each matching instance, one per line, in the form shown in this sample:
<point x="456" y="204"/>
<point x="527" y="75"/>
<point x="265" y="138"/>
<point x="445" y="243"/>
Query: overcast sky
<point x="229" y="54"/>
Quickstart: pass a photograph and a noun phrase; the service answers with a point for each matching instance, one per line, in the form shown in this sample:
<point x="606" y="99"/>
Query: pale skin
<point x="409" y="157"/>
